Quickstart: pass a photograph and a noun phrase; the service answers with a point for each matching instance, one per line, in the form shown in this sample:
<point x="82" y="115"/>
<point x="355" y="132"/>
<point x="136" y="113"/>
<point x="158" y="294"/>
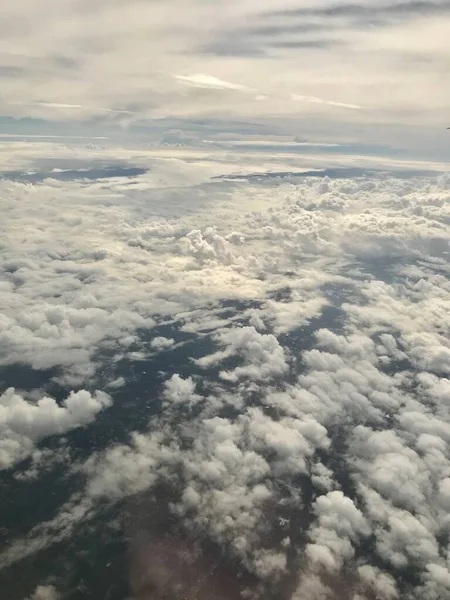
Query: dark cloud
<point x="10" y="71"/>
<point x="272" y="31"/>
<point x="370" y="13"/>
<point x="276" y="29"/>
<point x="74" y="174"/>
<point x="299" y="44"/>
<point x="23" y="65"/>
<point x="332" y="173"/>
<point x="259" y="47"/>
<point x="65" y="62"/>
<point x="257" y="40"/>
<point x="232" y="47"/>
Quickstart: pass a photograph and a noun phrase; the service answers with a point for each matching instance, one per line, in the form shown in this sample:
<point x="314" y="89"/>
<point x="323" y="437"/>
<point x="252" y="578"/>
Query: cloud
<point x="45" y="592"/>
<point x="62" y="137"/>
<point x="177" y="137"/>
<point x="208" y="82"/>
<point x="309" y="442"/>
<point x="161" y="343"/>
<point x="262" y="354"/>
<point x="44" y="461"/>
<point x="84" y="287"/>
<point x="23" y="423"/>
<point x="125" y="470"/>
<point x="180" y="391"/>
<point x="338" y="51"/>
<point x="56" y="105"/>
<point x="374" y="579"/>
<point x="368" y="11"/>
<point x="339" y="523"/>
<point x="80" y="107"/>
<point x="315" y="100"/>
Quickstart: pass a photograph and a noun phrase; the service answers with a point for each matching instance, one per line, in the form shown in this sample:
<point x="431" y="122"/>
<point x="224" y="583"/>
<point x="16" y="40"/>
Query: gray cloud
<point x="11" y="71"/>
<point x="258" y="40"/>
<point x="320" y="44"/>
<point x="377" y="14"/>
<point x="271" y="31"/>
<point x="100" y="77"/>
<point x="228" y="46"/>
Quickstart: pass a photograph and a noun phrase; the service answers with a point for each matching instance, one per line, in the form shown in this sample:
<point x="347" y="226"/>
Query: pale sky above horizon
<point x="358" y="69"/>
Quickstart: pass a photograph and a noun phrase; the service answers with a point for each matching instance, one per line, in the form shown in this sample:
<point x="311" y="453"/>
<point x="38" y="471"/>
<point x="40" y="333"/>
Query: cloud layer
<point x="306" y="440"/>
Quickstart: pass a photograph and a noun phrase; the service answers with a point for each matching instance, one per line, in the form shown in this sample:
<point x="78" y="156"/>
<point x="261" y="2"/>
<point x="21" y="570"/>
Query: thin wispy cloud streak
<point x="370" y="11"/>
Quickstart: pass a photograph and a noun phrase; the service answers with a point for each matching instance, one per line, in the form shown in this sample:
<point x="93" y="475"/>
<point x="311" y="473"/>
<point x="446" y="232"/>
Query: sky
<point x="368" y="73"/>
<point x="224" y="300"/>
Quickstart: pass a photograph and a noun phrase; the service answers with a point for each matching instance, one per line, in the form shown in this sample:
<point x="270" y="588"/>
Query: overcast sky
<point x="354" y="67"/>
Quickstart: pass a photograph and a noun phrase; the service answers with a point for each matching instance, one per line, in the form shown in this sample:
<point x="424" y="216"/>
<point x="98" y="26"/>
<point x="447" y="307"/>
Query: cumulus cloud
<point x="373" y="579"/>
<point x="161" y="343"/>
<point x="339" y="524"/>
<point x="262" y="354"/>
<point x="24" y="423"/>
<point x="43" y="461"/>
<point x="45" y="592"/>
<point x="310" y="442"/>
<point x="180" y="391"/>
<point x="126" y="470"/>
<point x="86" y="286"/>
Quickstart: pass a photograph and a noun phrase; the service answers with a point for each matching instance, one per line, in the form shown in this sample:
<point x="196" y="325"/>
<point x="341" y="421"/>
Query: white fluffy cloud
<point x="262" y="355"/>
<point x="336" y="434"/>
<point x="339" y="523"/>
<point x="161" y="343"/>
<point x="373" y="579"/>
<point x="179" y="391"/>
<point x="99" y="264"/>
<point x="24" y="423"/>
